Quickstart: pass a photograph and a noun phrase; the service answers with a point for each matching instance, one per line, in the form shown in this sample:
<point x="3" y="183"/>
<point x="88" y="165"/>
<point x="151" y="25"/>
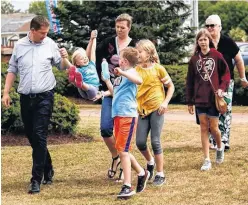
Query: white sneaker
<point x="206" y="165"/>
<point x="220" y="154"/>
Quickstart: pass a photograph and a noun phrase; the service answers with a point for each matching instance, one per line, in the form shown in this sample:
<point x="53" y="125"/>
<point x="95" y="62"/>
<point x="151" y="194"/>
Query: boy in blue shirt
<point x="124" y="112"/>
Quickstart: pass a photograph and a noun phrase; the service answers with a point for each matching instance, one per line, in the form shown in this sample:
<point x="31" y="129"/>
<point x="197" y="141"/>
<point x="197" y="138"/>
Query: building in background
<point x="13" y="27"/>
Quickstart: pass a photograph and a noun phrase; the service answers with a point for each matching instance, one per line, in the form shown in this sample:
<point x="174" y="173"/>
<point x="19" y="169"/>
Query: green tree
<point x="238" y="34"/>
<point x="38" y="8"/>
<point x="233" y="14"/>
<point x="7" y="8"/>
<point x="159" y="21"/>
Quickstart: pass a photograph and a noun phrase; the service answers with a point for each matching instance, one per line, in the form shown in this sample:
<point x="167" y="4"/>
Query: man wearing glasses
<point x="230" y="51"/>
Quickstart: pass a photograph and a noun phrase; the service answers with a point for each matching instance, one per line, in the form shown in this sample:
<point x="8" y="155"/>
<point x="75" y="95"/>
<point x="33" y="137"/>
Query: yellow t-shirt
<point x="151" y="92"/>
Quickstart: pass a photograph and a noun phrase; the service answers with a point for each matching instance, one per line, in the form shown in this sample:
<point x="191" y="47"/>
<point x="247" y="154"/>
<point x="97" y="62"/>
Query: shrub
<point x="63" y="86"/>
<point x="178" y="75"/>
<point x="64" y="118"/>
<point x="65" y="115"/>
<point x="11" y="117"/>
<point x="240" y="95"/>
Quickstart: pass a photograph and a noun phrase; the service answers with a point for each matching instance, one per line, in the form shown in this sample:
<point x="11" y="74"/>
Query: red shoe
<point x="72" y="71"/>
<point x="78" y="79"/>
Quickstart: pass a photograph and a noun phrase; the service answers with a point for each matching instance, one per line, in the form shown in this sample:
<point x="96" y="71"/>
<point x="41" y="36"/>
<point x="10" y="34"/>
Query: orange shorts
<point x="124" y="130"/>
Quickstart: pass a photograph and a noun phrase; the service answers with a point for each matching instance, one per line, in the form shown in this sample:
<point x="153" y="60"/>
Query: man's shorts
<point x="124" y="130"/>
<point x="209" y="111"/>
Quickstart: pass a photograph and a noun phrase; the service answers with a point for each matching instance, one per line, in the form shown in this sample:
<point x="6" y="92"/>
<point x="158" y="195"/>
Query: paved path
<point x="171" y="115"/>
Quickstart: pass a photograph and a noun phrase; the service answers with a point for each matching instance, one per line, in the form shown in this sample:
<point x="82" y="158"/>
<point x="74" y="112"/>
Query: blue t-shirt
<point x="124" y="99"/>
<point x="89" y="74"/>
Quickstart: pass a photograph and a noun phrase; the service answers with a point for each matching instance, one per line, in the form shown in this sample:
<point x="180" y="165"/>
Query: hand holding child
<point x="63" y="53"/>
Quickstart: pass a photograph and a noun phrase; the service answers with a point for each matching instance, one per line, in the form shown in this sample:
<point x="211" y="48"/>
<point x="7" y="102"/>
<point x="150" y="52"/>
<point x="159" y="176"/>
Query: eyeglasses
<point x="210" y="25"/>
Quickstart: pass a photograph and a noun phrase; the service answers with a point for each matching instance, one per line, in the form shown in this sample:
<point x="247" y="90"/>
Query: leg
<point x="124" y="128"/>
<point x="213" y="122"/>
<point x="126" y="165"/>
<point x="88" y="93"/>
<point x="106" y="125"/>
<point x="225" y="119"/>
<point x="204" y="126"/>
<point x="143" y="129"/>
<point x="204" y="134"/>
<point x="157" y="122"/>
<point x="216" y="133"/>
<point x="42" y="114"/>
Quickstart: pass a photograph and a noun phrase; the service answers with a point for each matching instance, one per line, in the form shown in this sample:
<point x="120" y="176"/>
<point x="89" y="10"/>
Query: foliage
<point x="237" y="34"/>
<point x="7" y="8"/>
<point x="178" y="75"/>
<point x="11" y="117"/>
<point x="65" y="115"/>
<point x="160" y="21"/>
<point x="240" y="95"/>
<point x="38" y="8"/>
<point x="233" y="14"/>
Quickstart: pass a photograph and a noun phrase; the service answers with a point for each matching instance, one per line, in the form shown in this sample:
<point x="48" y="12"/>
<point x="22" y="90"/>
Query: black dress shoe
<point x="48" y="177"/>
<point x="34" y="187"/>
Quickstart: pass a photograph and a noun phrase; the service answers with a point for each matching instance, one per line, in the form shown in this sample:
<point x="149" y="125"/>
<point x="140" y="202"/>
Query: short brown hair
<point x="131" y="54"/>
<point x="125" y="17"/>
<point x="38" y="21"/>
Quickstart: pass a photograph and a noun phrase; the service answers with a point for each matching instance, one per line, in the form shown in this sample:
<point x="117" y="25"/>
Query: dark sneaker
<point x="158" y="180"/>
<point x="125" y="192"/>
<point x="227" y="147"/>
<point x="34" y="187"/>
<point x="48" y="177"/>
<point x="150" y="168"/>
<point x="141" y="185"/>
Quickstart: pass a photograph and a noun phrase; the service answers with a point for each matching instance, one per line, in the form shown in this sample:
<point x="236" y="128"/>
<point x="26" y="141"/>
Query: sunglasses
<point x="210" y="25"/>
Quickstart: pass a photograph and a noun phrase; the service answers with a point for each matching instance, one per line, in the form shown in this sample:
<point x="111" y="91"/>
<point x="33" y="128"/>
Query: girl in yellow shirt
<point x="152" y="104"/>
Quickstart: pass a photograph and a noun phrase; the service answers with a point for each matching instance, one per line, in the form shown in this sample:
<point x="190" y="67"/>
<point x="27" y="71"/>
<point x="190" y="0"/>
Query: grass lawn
<point x="81" y="168"/>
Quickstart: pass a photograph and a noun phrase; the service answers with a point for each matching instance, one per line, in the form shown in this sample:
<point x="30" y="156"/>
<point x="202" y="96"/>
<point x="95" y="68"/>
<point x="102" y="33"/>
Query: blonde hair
<point x="206" y="33"/>
<point x="125" y="17"/>
<point x="131" y="54"/>
<point x="76" y="53"/>
<point x="150" y="48"/>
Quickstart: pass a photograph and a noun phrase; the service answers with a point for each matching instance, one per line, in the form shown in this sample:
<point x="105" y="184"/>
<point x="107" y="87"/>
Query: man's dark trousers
<point x="36" y="111"/>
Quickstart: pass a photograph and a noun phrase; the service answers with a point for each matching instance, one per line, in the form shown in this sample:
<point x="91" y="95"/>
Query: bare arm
<point x="10" y="78"/>
<point x="130" y="74"/>
<point x="241" y="69"/>
<point x="170" y="91"/>
<point x="91" y="48"/>
<point x="110" y="87"/>
<point x="164" y="106"/>
<point x="64" y="61"/>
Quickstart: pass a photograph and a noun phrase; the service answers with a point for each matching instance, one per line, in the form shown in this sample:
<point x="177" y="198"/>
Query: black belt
<point x="35" y="95"/>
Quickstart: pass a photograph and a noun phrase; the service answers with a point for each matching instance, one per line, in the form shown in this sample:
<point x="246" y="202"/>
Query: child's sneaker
<point x="220" y="154"/>
<point x="141" y="185"/>
<point x="78" y="79"/>
<point x="150" y="168"/>
<point x="158" y="180"/>
<point x="125" y="192"/>
<point x="206" y="165"/>
<point x="72" y="71"/>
